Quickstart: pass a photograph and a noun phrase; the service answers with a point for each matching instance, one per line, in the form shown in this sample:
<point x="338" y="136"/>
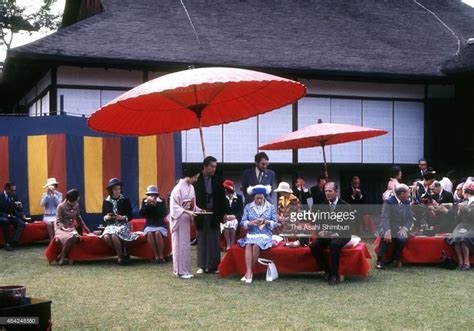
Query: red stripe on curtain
<point x="57" y="160"/>
<point x="166" y="163"/>
<point x="111" y="163"/>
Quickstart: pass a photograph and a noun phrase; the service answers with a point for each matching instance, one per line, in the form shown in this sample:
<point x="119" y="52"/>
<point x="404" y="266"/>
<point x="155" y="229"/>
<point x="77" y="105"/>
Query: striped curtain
<point x="87" y="163"/>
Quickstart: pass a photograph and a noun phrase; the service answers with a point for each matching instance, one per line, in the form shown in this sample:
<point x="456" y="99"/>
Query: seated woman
<point x="287" y="203"/>
<point x="68" y="218"/>
<point x="463" y="235"/>
<point x="50" y="201"/>
<point x="259" y="219"/>
<point x="117" y="212"/>
<point x="154" y="211"/>
<point x="234" y="206"/>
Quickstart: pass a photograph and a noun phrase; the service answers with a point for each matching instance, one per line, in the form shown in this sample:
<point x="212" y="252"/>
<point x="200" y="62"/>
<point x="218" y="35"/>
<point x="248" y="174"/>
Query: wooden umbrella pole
<point x="326" y="174"/>
<point x="202" y="140"/>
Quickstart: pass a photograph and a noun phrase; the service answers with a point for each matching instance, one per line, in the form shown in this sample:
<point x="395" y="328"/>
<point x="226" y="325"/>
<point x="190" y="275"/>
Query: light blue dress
<point x="255" y="235"/>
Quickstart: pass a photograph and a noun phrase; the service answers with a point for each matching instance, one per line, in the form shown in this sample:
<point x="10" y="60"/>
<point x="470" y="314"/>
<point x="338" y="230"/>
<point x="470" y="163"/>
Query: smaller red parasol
<point x="322" y="134"/>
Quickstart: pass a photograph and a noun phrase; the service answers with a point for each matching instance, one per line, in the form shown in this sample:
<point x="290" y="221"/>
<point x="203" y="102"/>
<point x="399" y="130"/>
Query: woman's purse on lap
<point x="272" y="272"/>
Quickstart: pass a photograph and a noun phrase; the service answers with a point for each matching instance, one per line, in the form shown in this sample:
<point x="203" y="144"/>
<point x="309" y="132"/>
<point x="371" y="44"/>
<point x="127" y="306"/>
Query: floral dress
<point x="261" y="236"/>
<point x="119" y="206"/>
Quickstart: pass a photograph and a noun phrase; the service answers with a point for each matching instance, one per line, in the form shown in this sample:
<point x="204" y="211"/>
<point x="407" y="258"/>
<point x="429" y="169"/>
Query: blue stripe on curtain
<point x="177" y="156"/>
<point x="130" y="171"/>
<point x="18" y="163"/>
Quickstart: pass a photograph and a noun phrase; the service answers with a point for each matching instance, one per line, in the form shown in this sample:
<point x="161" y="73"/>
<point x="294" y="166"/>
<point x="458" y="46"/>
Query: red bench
<point x="33" y="232"/>
<point x="91" y="247"/>
<point x="354" y="260"/>
<point x="423" y="250"/>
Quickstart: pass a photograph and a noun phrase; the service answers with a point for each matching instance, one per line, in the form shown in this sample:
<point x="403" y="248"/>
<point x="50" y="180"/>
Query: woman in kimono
<point x="259" y="219"/>
<point x="463" y="235"/>
<point x="182" y="208"/>
<point x="67" y="220"/>
<point x="117" y="213"/>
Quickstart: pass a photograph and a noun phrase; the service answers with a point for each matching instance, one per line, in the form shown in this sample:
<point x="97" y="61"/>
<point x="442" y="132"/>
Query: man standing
<point x="210" y="196"/>
<point x="11" y="213"/>
<point x="317" y="192"/>
<point x="422" y="167"/>
<point x="259" y="175"/>
<point x="396" y="220"/>
<point x="334" y="239"/>
<point x="301" y="192"/>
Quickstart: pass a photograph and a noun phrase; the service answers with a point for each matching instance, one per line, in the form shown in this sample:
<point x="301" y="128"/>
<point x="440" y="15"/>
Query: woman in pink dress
<point x="182" y="208"/>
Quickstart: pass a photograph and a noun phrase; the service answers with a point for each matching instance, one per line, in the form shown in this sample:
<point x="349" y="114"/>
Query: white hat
<point x="259" y="189"/>
<point x="284" y="187"/>
<point x="51" y="181"/>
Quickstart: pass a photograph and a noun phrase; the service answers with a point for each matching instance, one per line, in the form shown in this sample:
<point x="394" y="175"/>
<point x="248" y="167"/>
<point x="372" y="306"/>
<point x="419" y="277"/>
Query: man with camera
<point x="11" y="213"/>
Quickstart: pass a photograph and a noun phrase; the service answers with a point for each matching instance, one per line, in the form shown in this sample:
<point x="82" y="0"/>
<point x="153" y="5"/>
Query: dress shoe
<point x="466" y="267"/>
<point x="188" y="276"/>
<point x="243" y="279"/>
<point x="200" y="271"/>
<point x="249" y="280"/>
<point x="398" y="264"/>
<point x="380" y="265"/>
<point x="333" y="280"/>
<point x="327" y="275"/>
<point x="8" y="247"/>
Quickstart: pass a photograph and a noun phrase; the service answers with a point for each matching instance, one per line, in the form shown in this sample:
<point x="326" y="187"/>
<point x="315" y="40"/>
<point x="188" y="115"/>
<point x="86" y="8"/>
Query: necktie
<point x="332" y="206"/>
<point x="260" y="176"/>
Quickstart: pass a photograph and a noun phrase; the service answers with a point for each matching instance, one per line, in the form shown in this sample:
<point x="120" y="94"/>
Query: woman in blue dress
<point x="259" y="219"/>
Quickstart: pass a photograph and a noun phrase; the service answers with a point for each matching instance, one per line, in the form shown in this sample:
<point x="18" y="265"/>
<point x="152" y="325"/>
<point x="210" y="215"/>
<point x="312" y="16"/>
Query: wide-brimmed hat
<point x="152" y="189"/>
<point x="259" y="189"/>
<point x="113" y="182"/>
<point x="229" y="185"/>
<point x="51" y="181"/>
<point x="284" y="187"/>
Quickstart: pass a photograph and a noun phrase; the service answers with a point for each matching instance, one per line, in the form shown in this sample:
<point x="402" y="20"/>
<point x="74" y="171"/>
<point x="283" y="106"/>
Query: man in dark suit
<point x="396" y="220"/>
<point x="422" y="168"/>
<point x="334" y="238"/>
<point x="11" y="213"/>
<point x="301" y="192"/>
<point x="260" y="174"/>
<point x="439" y="214"/>
<point x="317" y="192"/>
<point x="210" y="197"/>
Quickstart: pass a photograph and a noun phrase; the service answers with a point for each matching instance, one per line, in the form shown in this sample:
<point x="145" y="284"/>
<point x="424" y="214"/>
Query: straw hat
<point x="284" y="187"/>
<point x="51" y="181"/>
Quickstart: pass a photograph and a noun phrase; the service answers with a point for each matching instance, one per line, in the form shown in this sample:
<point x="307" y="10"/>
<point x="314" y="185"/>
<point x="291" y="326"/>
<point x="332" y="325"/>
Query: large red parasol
<point x="322" y="134"/>
<point x="195" y="98"/>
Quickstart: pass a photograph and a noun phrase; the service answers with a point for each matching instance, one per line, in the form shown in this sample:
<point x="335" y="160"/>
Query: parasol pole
<point x="325" y="164"/>
<point x="202" y="139"/>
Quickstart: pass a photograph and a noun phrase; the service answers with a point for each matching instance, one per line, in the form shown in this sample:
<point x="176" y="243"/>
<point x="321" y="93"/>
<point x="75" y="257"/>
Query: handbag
<point x="272" y="272"/>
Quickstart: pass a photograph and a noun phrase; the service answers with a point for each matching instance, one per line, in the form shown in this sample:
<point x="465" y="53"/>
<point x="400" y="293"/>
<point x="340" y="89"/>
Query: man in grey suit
<point x="260" y="174"/>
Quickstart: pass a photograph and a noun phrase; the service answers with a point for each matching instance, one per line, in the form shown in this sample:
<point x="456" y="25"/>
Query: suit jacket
<point x="444" y="197"/>
<point x="318" y="195"/>
<point x="218" y="201"/>
<point x="301" y="195"/>
<point x="7" y="206"/>
<point x="341" y="207"/>
<point x="347" y="196"/>
<point x="236" y="208"/>
<point x="249" y="178"/>
<point x="395" y="216"/>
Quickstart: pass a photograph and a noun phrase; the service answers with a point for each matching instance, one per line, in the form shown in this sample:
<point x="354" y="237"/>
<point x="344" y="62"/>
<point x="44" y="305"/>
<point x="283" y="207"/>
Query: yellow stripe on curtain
<point x="37" y="171"/>
<point x="93" y="174"/>
<point x="147" y="164"/>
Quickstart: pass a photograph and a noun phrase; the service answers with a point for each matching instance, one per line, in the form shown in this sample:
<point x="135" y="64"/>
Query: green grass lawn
<point x="102" y="296"/>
